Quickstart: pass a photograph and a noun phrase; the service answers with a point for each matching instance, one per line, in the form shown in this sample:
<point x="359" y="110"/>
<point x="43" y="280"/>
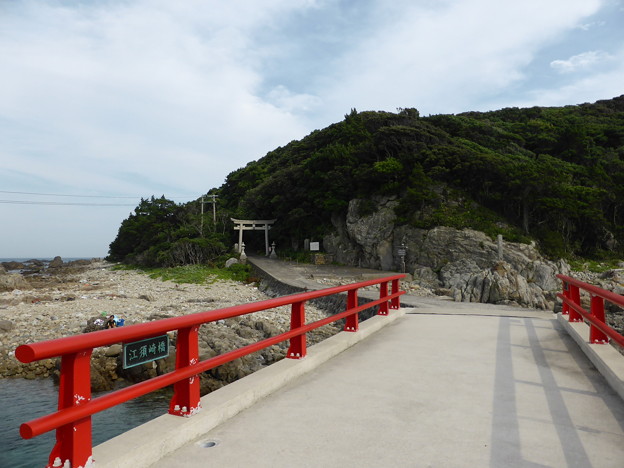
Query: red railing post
<point x="73" y="441"/>
<point x="597" y="310"/>
<point x="599" y="331"/>
<point x="297" y="349"/>
<point x="565" y="308"/>
<point x="352" y="321"/>
<point x="383" y="292"/>
<point x="575" y="296"/>
<point x="186" y="397"/>
<point x="395" y="303"/>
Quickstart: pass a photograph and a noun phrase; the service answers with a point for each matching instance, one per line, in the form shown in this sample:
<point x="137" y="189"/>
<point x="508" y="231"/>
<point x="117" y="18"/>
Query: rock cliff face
<point x="466" y="264"/>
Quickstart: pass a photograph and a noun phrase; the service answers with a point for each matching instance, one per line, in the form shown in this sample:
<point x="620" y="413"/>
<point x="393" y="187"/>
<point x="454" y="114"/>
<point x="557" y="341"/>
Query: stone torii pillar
<point x="253" y="225"/>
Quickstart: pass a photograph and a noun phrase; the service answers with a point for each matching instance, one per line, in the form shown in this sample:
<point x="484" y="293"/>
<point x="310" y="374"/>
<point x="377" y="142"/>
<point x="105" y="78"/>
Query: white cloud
<point x="441" y="60"/>
<point x="582" y="61"/>
<point x="284" y="99"/>
<point x="593" y="24"/>
<point x="584" y="88"/>
<point x="157" y="88"/>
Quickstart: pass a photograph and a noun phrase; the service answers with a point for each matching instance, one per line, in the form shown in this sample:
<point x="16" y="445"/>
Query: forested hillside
<point x="555" y="175"/>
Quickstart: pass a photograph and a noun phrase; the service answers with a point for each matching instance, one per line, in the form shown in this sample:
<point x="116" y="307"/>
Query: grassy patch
<point x="194" y="274"/>
<point x="595" y="266"/>
<point x="297" y="256"/>
<point x="469" y="215"/>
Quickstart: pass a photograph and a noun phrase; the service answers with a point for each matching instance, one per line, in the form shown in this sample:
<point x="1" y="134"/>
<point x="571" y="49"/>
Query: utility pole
<point x="214" y="208"/>
<point x="214" y="212"/>
<point x="201" y="229"/>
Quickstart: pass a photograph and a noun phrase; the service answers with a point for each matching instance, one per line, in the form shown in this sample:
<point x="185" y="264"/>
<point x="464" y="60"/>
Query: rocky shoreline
<point x="68" y="299"/>
<point x="47" y="301"/>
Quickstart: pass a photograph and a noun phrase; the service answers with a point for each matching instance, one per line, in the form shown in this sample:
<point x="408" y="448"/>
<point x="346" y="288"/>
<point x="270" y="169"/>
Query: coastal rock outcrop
<point x="56" y="262"/>
<point x="12" y="265"/>
<point x="13" y="281"/>
<point x="465" y="264"/>
<point x="499" y="285"/>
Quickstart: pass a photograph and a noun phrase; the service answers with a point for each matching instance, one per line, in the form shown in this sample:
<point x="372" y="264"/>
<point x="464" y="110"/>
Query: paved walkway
<point x="306" y="276"/>
<point x="447" y="385"/>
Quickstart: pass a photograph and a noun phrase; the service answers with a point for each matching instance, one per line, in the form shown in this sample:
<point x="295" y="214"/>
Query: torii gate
<point x="253" y="225"/>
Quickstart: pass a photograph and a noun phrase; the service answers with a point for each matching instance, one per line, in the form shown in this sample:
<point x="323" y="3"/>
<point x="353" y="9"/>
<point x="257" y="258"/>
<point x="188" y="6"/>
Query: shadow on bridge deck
<point x="439" y="391"/>
<point x="490" y="387"/>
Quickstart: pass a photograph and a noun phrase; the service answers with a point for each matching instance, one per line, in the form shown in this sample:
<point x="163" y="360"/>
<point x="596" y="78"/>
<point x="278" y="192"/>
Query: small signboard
<point x="315" y="246"/>
<point x="402" y="252"/>
<point x="140" y="352"/>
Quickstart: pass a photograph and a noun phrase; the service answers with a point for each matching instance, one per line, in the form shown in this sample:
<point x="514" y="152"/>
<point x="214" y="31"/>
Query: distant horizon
<point x="26" y="258"/>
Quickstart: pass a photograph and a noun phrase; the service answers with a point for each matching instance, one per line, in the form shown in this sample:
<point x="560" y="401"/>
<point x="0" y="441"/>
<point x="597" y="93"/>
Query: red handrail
<point x="72" y="421"/>
<point x="599" y="331"/>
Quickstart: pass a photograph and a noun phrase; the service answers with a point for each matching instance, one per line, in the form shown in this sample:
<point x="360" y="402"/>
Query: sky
<point x="103" y="103"/>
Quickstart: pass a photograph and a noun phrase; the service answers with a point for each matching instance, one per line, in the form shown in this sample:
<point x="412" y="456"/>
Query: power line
<point x="62" y="195"/>
<point x="76" y="196"/>
<point x="25" y="202"/>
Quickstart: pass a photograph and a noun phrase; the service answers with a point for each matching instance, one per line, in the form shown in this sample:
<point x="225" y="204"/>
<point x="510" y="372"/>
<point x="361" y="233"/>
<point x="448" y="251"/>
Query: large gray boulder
<point x="57" y="262"/>
<point x="11" y="281"/>
<point x="455" y="274"/>
<point x="13" y="266"/>
<point x="6" y="326"/>
<point x="442" y="245"/>
<point x="230" y="262"/>
<point x="425" y="276"/>
<point x="500" y="285"/>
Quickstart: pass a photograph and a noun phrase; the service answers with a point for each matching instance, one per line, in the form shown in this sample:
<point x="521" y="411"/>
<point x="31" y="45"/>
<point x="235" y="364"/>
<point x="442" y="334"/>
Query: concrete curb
<point x="608" y="361"/>
<point x="148" y="443"/>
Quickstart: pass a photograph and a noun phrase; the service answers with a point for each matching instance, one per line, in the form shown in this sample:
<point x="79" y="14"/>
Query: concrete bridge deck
<point x="442" y="385"/>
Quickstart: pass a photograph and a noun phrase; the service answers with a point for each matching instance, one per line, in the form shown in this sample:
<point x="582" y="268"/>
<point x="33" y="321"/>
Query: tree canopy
<point x="553" y="174"/>
<point x="163" y="233"/>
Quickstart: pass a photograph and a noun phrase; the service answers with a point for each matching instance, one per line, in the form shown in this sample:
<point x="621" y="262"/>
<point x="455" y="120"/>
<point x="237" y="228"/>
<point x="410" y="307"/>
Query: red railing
<point x="72" y="421"/>
<point x="599" y="331"/>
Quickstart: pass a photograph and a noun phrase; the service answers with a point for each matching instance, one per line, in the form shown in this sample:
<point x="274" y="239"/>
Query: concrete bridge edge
<point x="607" y="359"/>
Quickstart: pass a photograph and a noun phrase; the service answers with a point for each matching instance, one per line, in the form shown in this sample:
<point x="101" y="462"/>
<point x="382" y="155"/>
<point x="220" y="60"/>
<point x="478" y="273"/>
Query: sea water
<point x="23" y="400"/>
<point x="45" y="260"/>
